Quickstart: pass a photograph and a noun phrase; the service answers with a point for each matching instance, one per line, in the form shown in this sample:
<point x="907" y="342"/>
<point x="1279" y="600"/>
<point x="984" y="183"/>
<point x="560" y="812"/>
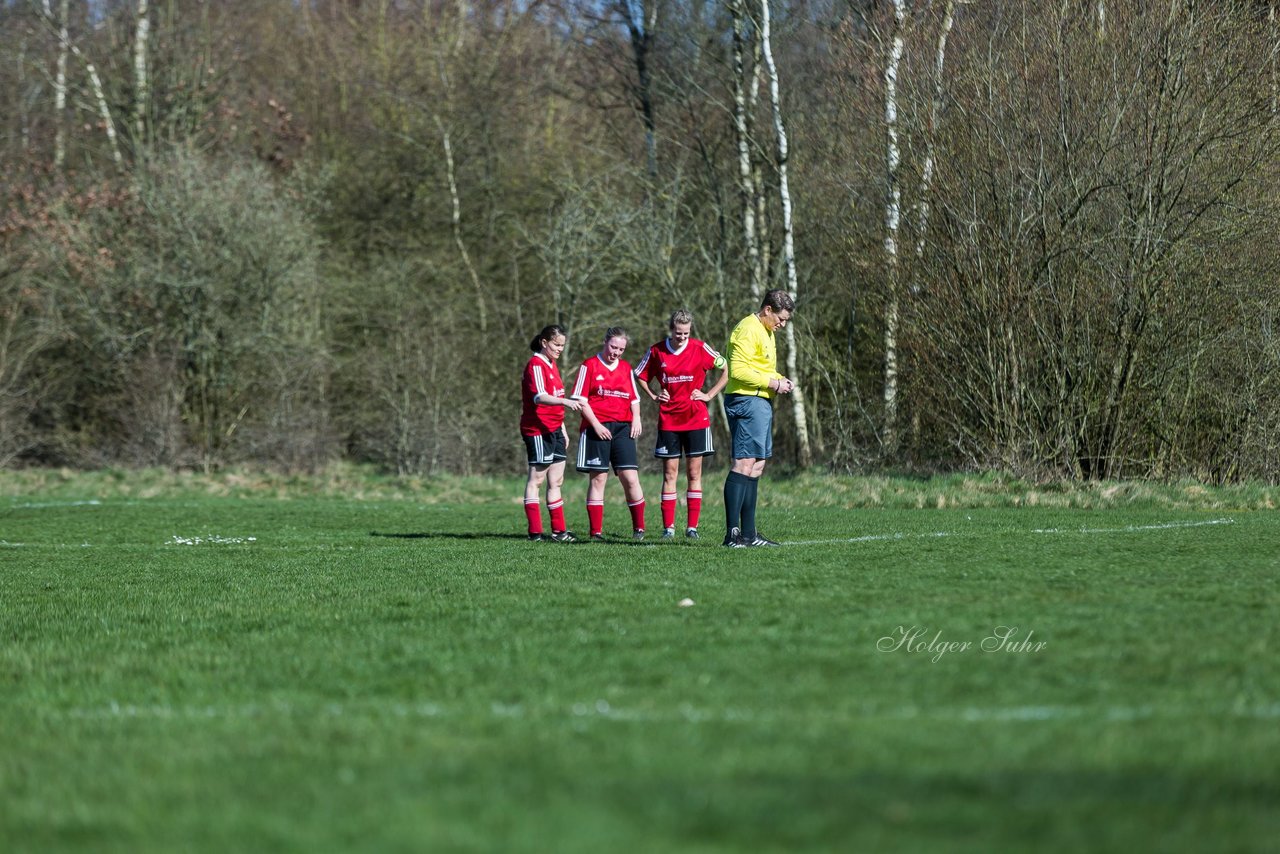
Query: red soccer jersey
<point x="541" y="376"/>
<point x="680" y="374"/>
<point x="609" y="391"/>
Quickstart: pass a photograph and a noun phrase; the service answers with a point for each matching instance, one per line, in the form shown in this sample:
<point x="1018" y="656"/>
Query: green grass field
<point x="400" y="671"/>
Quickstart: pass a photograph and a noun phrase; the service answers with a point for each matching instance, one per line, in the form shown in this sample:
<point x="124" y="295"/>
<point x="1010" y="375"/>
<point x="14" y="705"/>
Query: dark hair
<point x="615" y="332"/>
<point x="778" y="300"/>
<point x="547" y="333"/>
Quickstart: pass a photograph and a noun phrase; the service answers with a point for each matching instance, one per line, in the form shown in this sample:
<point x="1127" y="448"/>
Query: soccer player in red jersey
<point x="545" y="438"/>
<point x="610" y="426"/>
<point x="680" y="365"/>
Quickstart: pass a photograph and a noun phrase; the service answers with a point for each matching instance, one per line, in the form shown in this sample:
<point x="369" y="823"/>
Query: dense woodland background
<point x="1039" y="237"/>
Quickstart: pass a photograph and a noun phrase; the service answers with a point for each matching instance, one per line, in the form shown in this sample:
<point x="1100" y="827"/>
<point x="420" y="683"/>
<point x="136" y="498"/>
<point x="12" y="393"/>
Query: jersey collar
<point x="606" y="365"/>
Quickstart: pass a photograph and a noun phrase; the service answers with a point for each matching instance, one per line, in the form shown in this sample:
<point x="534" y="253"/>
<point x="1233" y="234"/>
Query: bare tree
<point x="447" y="66"/>
<point x="788" y="237"/>
<point x="931" y="132"/>
<point x="104" y="111"/>
<point x="640" y="17"/>
<point x="1090" y="242"/>
<point x="745" y="79"/>
<point x="1273" y="33"/>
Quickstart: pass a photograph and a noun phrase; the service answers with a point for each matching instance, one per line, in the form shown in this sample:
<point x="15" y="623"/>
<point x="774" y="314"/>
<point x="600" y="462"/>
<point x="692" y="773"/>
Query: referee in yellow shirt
<point x="753" y="381"/>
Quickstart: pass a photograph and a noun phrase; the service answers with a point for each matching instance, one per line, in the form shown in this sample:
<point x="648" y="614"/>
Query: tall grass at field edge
<point x="783" y="489"/>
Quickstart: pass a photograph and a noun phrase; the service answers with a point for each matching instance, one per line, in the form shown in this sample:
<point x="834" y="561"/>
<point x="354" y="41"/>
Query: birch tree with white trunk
<point x="788" y="231"/>
<point x="931" y="132"/>
<point x="60" y="87"/>
<point x="95" y="81"/>
<point x="744" y="74"/>
<point x="447" y="64"/>
<point x="892" y="220"/>
<point x="763" y="236"/>
<point x="141" y="83"/>
<point x="1273" y="30"/>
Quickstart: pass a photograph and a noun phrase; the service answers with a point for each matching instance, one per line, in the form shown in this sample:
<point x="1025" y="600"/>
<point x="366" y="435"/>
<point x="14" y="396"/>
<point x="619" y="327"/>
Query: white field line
<point x="209" y="539"/>
<point x="871" y="538"/>
<point x="602" y="710"/>
<point x="48" y="504"/>
<point x="1162" y="526"/>
<point x="5" y="544"/>
<point x="175" y="540"/>
<point x="1127" y="529"/>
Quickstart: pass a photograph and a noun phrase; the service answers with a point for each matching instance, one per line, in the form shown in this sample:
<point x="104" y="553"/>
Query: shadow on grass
<point x="450" y="535"/>
<point x="445" y="535"/>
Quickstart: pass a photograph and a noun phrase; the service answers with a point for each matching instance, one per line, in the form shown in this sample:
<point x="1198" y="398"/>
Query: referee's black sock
<point x="749" y="508"/>
<point x="736" y="487"/>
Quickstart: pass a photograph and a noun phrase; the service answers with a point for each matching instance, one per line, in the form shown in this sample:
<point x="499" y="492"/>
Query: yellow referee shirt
<point x="753" y="358"/>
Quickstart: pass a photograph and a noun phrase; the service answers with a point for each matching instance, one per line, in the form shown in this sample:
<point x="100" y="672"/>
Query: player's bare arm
<point x="552" y="400"/>
<point x="601" y="431"/>
<point x="711" y="393"/>
<point x="636" y="425"/>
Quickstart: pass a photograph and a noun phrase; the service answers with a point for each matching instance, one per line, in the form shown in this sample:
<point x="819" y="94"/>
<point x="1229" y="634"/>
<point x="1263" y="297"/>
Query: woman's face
<point x="553" y="347"/>
<point x="613" y="349"/>
<point x="680" y="333"/>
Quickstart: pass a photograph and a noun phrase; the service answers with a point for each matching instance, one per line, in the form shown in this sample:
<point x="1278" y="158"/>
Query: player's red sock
<point x="695" y="507"/>
<point x="556" y="508"/>
<point x="668" y="509"/>
<point x="637" y="514"/>
<point x="595" y="517"/>
<point x="533" y="510"/>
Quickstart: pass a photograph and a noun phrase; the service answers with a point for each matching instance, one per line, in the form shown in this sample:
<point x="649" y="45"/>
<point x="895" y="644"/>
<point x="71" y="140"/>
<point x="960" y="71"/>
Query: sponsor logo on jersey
<point x="667" y="379"/>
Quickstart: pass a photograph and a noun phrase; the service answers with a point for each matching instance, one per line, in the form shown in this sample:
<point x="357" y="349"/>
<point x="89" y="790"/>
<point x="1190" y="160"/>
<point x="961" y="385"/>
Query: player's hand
<point x="663" y="396"/>
<point x="699" y="394"/>
<point x="575" y="405"/>
<point x="635" y="429"/>
<point x="603" y="432"/>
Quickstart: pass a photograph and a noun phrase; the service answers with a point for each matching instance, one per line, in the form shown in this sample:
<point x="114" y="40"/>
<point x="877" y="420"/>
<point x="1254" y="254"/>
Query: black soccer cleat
<point x="563" y="537"/>
<point x="734" y="540"/>
<point x="756" y="540"/>
<point x="691" y="534"/>
<point x="668" y="533"/>
<point x="536" y="538"/>
<point x="598" y="538"/>
<point x="638" y="534"/>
